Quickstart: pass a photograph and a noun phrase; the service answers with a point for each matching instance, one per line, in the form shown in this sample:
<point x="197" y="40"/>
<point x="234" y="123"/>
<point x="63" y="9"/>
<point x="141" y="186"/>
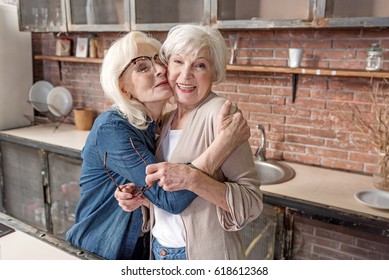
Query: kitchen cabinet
<point x="42" y="15"/>
<point x="159" y="15"/>
<point x="64" y="174"/>
<point x="265" y="238"/>
<point x="23" y="172"/>
<point x="97" y="15"/>
<point x="39" y="184"/>
<point x="353" y="13"/>
<point x="244" y="14"/>
<point x="266" y="14"/>
<point x="156" y="15"/>
<point x="73" y="15"/>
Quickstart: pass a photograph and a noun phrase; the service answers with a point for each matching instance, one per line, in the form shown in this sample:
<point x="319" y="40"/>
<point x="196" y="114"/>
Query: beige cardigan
<point x="212" y="233"/>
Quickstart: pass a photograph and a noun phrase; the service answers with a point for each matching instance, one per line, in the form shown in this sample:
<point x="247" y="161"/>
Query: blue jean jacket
<point x="101" y="226"/>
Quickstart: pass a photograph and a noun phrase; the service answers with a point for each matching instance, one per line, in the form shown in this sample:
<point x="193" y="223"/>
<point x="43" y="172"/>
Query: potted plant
<point x="374" y="125"/>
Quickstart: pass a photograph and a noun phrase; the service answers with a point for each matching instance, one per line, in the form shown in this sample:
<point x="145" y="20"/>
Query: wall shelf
<point x="309" y="71"/>
<point x="250" y="68"/>
<point x="69" y="59"/>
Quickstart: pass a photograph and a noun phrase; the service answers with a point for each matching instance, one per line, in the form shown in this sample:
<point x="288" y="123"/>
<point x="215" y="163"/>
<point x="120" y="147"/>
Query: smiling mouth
<point x="186" y="87"/>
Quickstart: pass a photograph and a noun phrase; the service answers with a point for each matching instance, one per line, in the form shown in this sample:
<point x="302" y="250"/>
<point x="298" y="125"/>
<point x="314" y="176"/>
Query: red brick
<point x="342" y="164"/>
<point x="302" y="158"/>
<point x="335" y="54"/>
<point x="362" y="157"/>
<point x="327" y="153"/>
<point x="287" y="147"/>
<point x="285" y="110"/>
<point x="324" y="133"/>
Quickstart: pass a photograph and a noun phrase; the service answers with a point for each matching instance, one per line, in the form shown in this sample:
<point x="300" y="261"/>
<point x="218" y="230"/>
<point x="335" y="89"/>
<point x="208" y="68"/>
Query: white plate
<point x="60" y="101"/>
<point x="374" y="198"/>
<point x="38" y="95"/>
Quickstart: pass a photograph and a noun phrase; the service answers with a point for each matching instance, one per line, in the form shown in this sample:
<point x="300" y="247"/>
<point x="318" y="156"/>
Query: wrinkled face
<point x="144" y="78"/>
<point x="191" y="77"/>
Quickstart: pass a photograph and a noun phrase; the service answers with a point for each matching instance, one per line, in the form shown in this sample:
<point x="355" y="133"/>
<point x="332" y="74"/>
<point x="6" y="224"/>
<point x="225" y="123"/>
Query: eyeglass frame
<point x="140" y="190"/>
<point x="143" y="57"/>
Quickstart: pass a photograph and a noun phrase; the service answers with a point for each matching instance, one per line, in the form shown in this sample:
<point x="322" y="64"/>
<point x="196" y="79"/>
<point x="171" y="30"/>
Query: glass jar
<point x="93" y="46"/>
<point x="374" y="58"/>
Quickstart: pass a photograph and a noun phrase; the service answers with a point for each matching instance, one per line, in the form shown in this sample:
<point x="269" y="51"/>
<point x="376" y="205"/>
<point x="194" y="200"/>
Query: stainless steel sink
<point x="273" y="172"/>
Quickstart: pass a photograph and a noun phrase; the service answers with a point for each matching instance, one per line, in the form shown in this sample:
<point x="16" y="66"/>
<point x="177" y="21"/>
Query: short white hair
<point x="190" y="39"/>
<point x="118" y="56"/>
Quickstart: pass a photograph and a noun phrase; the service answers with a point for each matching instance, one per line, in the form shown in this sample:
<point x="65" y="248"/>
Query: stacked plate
<point x="38" y="95"/>
<point x="59" y="101"/>
<point x="45" y="97"/>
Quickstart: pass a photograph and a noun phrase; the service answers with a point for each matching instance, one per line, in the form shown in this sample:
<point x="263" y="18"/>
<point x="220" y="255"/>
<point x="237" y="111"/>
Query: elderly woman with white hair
<point x="209" y="227"/>
<point x="122" y="142"/>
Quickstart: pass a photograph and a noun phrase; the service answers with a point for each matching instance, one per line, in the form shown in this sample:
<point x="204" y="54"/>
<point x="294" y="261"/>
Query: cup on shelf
<point x="295" y="55"/>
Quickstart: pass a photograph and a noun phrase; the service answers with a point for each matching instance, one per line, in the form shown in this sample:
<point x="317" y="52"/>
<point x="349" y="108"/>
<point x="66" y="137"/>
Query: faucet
<point x="260" y="154"/>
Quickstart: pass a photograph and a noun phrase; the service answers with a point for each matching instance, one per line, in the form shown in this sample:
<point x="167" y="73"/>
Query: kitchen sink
<point x="273" y="172"/>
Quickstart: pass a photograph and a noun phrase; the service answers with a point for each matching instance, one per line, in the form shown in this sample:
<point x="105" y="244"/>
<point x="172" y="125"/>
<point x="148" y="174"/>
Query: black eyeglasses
<point x="139" y="190"/>
<point x="143" y="64"/>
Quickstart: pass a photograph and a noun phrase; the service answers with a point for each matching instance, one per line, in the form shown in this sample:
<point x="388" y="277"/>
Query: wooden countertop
<point x="314" y="185"/>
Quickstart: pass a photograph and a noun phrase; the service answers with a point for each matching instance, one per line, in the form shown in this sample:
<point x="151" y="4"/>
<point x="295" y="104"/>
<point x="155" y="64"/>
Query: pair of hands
<point x="170" y="176"/>
<point x="233" y="129"/>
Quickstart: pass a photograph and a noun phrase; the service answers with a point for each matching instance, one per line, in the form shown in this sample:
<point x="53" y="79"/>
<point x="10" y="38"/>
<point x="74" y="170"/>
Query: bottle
<point x="93" y="45"/>
<point x="374" y="58"/>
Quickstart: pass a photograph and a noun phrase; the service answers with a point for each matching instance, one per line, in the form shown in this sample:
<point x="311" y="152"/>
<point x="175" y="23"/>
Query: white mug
<point x="295" y="55"/>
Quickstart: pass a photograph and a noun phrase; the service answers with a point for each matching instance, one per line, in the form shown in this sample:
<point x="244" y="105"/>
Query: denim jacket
<point x="101" y="226"/>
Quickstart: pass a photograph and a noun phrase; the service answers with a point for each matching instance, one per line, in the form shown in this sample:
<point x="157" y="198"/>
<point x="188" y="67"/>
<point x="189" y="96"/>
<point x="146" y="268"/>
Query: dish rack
<point x="43" y="117"/>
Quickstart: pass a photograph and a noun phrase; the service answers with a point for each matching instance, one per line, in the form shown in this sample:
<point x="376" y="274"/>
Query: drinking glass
<point x="234" y="41"/>
<point x="35" y="16"/>
<point x="44" y="15"/>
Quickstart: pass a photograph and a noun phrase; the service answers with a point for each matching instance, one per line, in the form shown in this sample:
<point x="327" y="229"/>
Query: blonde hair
<point x="116" y="59"/>
<point x="190" y="39"/>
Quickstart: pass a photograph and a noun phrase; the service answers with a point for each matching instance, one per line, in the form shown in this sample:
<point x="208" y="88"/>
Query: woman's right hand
<point x="129" y="198"/>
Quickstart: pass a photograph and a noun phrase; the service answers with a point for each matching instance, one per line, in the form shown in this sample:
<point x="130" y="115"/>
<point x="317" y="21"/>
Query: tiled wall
<point x="310" y="131"/>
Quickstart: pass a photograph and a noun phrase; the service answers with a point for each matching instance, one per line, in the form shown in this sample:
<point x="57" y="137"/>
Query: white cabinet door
<point x="42" y="15"/>
<point x="98" y="15"/>
<point x="161" y="15"/>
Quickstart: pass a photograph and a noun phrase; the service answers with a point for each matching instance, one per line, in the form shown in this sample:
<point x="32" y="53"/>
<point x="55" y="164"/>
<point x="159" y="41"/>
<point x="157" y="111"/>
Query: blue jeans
<point x="166" y="253"/>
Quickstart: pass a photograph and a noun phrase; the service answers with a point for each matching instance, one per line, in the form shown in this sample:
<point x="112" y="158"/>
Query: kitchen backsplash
<point x="310" y="131"/>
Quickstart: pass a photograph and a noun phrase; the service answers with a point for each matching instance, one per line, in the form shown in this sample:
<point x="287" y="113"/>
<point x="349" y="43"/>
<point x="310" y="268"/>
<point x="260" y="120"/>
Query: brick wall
<point x="309" y="131"/>
<point x="316" y="240"/>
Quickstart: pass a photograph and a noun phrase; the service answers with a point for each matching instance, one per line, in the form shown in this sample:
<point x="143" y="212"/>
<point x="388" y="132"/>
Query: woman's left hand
<point x="171" y="176"/>
<point x="231" y="125"/>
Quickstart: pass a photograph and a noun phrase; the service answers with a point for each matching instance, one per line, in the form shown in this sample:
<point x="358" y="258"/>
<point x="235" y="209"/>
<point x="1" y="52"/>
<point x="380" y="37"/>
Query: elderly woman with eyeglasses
<point x="209" y="227"/>
<point x="122" y="142"/>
